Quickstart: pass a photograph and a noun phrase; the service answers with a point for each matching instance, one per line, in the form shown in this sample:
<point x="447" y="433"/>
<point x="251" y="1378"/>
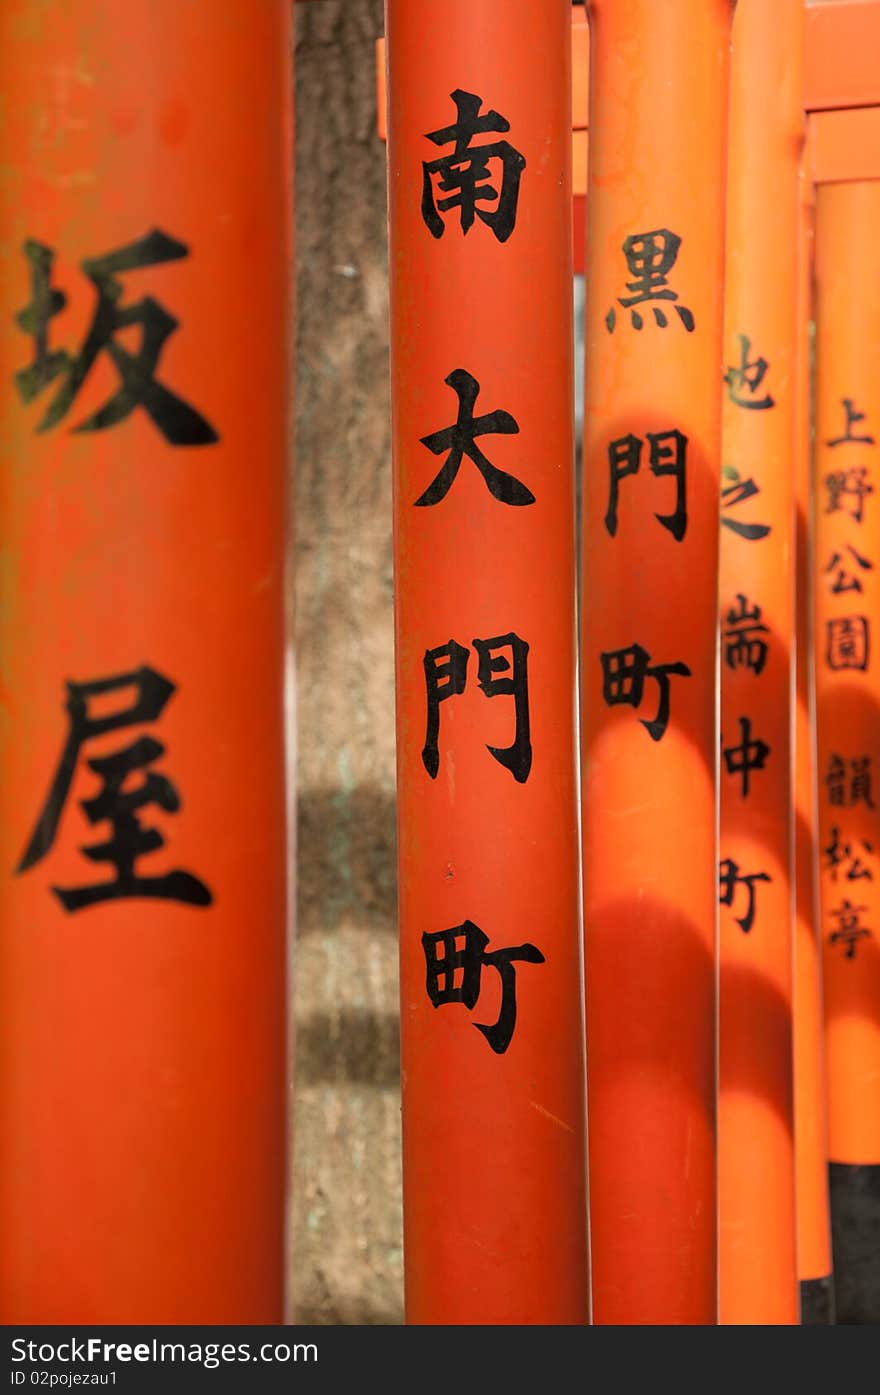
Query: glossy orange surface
<point x="756" y="1191"/>
<point x="493" y="1139"/>
<point x="649" y="805"/>
<point x="142" y="1038"/>
<point x="847" y="616"/>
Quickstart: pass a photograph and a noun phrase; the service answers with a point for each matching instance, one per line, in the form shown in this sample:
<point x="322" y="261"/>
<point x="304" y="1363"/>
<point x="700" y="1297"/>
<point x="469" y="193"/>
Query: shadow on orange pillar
<point x="479" y="152"/>
<point x="145" y="231"/>
<point x="810" y="1107"/>
<point x="653" y="341"/>
<point x="756" y="1187"/>
<point x="847" y="621"/>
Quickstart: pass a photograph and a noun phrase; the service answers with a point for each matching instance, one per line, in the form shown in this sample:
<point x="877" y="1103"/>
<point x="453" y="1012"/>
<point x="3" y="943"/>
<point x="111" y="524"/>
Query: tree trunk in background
<point x="346" y="1165"/>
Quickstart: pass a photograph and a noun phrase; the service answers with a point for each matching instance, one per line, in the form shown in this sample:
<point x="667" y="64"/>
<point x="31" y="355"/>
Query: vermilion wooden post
<point x="479" y="130"/>
<point x="145" y="172"/>
<point x="756" y="1188"/>
<point x="810" y="1110"/>
<point x="847" y="631"/>
<point x="655" y="238"/>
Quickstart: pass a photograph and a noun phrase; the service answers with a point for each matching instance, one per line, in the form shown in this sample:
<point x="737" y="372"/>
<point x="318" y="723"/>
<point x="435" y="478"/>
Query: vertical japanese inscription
<point x="847" y="856"/>
<point x="479" y="179"/>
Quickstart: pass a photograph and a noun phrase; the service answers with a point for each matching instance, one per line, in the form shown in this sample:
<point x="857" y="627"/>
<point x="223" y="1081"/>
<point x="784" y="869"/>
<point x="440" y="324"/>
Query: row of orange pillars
<point x="727" y="859"/>
<point x="618" y="1035"/>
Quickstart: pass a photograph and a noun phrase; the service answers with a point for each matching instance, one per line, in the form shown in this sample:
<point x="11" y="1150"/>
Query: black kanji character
<point x="729" y="878"/>
<point x="838" y="852"/>
<point x="736" y="492"/>
<point x="852" y="483"/>
<point x="179" y="423"/>
<point x="115" y="802"/>
<point x="844" y="580"/>
<point x="852" y="416"/>
<point x="650" y="257"/>
<point x="460" y="441"/>
<point x="464" y="176"/>
<point x="446" y="676"/>
<point x="847" y="642"/>
<point x="743" y="645"/>
<point x="668" y="456"/>
<point x="748" y="376"/>
<point x="748" y="756"/>
<point x="464" y="951"/>
<point x="849" y="930"/>
<point x="623" y="682"/>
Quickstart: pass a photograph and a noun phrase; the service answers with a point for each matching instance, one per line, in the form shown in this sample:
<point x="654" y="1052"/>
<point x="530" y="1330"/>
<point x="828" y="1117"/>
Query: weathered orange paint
<point x="649" y="807"/>
<point x="493" y="1143"/>
<point x="811" y="1118"/>
<point x="848" y="699"/>
<point x="756" y="1189"/>
<point x="142" y="1041"/>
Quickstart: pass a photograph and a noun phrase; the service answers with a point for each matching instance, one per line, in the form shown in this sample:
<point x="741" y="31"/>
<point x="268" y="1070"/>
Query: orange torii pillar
<point x="810" y="1099"/>
<point x="145" y="178"/>
<point x="756" y="1186"/>
<point x="479" y="151"/>
<point x="652" y="419"/>
<point x="847" y="641"/>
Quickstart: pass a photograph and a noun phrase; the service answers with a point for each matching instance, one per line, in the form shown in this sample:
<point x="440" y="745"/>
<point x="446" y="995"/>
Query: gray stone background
<point x="346" y="1264"/>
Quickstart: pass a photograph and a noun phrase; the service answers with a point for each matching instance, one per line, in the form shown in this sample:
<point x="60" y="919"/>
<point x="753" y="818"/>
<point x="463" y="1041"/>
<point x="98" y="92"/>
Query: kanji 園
<point x="751" y="754"/>
<point x="179" y="423"/>
<point x="849" y="928"/>
<point x="848" y="486"/>
<point x="845" y="580"/>
<point x="116" y="802"/>
<point x="736" y="493"/>
<point x="742" y="637"/>
<point x="464" y="177"/>
<point x="744" y="381"/>
<point x="623" y="683"/>
<point x="729" y="878"/>
<point x="847" y="788"/>
<point x="667" y="455"/>
<point x="852" y="417"/>
<point x="650" y="256"/>
<point x="446" y="676"/>
<point x="460" y="440"/>
<point x="839" y="852"/>
<point x="455" y="960"/>
<point x="847" y="642"/>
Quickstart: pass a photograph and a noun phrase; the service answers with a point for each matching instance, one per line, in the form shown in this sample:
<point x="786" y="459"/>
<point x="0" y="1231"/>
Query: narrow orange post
<point x="810" y="1108"/>
<point x="479" y="132"/>
<point x="145" y="178"/>
<point x="756" y="1186"/>
<point x="655" y="275"/>
<point x="847" y="632"/>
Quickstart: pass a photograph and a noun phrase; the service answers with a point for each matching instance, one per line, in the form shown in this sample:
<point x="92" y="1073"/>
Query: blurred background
<point x="346" y="1231"/>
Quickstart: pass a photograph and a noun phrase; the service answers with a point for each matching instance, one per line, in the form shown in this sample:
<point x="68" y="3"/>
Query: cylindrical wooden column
<point x="810" y="1098"/>
<point x="847" y="631"/>
<point x="492" y="1044"/>
<point x="756" y="1188"/>
<point x="655" y="235"/>
<point x="145" y="175"/>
